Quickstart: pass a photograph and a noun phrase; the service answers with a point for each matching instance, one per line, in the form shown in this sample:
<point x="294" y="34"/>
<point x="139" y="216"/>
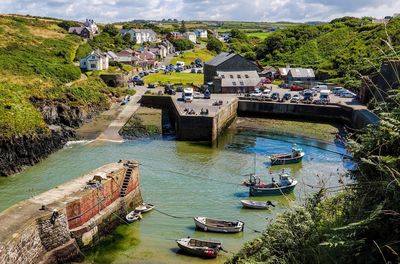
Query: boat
<point x="254" y="180"/>
<point x="144" y="208"/>
<point x="284" y="186"/>
<point x="289" y="158"/>
<point x="256" y="204"/>
<point x="215" y="225"/>
<point x="133" y="216"/>
<point x="199" y="248"/>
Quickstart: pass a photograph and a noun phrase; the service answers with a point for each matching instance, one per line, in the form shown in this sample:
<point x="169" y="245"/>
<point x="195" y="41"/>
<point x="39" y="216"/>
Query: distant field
<point x="189" y="57"/>
<point x="174" y="77"/>
<point x="261" y="35"/>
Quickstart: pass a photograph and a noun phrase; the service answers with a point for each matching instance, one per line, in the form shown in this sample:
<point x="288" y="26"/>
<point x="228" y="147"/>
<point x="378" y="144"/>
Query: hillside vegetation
<point x="36" y="63"/>
<point x="342" y="49"/>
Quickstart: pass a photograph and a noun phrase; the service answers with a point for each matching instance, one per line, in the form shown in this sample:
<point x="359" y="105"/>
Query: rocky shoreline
<point x="27" y="150"/>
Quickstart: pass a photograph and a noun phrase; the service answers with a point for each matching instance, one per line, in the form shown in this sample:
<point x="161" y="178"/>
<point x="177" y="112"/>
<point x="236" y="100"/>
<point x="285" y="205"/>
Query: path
<point x="111" y="133"/>
<point x="83" y="77"/>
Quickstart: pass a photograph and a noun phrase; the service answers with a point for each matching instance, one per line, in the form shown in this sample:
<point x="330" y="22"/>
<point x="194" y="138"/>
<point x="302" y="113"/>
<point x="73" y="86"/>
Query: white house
<point x="140" y="35"/>
<point x="96" y="60"/>
<point x="190" y="36"/>
<point x="200" y="33"/>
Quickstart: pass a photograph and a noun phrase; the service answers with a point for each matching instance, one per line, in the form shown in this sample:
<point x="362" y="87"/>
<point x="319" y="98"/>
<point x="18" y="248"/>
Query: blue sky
<point x="238" y="10"/>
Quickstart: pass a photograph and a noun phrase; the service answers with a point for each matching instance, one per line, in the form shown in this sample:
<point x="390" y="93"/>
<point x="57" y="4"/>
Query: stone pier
<point x="54" y="226"/>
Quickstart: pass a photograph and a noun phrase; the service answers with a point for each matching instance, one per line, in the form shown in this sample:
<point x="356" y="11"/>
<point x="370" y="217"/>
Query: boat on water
<point x="199" y="248"/>
<point x="144" y="208"/>
<point x="289" y="158"/>
<point x="133" y="216"/>
<point x="220" y="226"/>
<point x="256" y="204"/>
<point x="284" y="186"/>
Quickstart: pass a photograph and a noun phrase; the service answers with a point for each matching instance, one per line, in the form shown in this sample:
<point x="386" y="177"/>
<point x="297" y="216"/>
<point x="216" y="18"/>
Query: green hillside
<point x="344" y="48"/>
<point x="36" y="62"/>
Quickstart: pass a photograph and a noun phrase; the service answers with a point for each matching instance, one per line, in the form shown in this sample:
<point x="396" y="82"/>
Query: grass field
<point x="261" y="35"/>
<point x="174" y="77"/>
<point x="189" y="57"/>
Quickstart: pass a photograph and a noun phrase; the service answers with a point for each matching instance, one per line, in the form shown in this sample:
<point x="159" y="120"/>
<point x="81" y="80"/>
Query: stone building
<point x="227" y="62"/>
<point x="236" y="81"/>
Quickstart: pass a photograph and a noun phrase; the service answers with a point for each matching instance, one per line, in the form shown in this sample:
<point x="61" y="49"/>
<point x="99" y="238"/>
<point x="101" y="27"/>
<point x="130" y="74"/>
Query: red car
<point x="267" y="81"/>
<point x="296" y="88"/>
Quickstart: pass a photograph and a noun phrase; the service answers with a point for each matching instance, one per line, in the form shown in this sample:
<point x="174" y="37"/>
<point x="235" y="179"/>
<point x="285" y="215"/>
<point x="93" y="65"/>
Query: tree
<point x="182" y="44"/>
<point x="127" y="37"/>
<point x="237" y="34"/>
<point x="214" y="45"/>
<point x="111" y="30"/>
<point x="182" y="29"/>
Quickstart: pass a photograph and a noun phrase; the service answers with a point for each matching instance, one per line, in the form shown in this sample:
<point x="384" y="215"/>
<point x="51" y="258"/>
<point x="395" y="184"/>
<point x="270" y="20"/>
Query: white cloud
<point x="239" y="10"/>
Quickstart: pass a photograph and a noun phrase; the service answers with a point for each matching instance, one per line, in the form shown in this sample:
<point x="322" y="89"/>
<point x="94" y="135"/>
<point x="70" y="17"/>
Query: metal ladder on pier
<point x="125" y="183"/>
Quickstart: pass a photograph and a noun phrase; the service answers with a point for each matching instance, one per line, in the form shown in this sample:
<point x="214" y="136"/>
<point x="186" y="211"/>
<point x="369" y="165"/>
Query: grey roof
<point x="239" y="78"/>
<point x="268" y="69"/>
<point x="220" y="58"/>
<point x="112" y="55"/>
<point x="302" y="73"/>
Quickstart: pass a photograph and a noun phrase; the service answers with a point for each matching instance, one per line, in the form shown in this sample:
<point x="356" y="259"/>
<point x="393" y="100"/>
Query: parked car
<point x="198" y="62"/>
<point x="295" y="98"/>
<point x="152" y="85"/>
<point x="296" y="88"/>
<point x="324" y="97"/>
<point x="308" y="96"/>
<point x="286" y="96"/>
<point x="193" y="70"/>
<point x="256" y="94"/>
<point x="199" y="71"/>
<point x="348" y="94"/>
<point x="135" y="78"/>
<point x="163" y="67"/>
<point x="207" y="94"/>
<point x="320" y="87"/>
<point x="141" y="74"/>
<point x="284" y="85"/>
<point x="139" y="82"/>
<point x="152" y="71"/>
<point x="275" y="96"/>
<point x="337" y="89"/>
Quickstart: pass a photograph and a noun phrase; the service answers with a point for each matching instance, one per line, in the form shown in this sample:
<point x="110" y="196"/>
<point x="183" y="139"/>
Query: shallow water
<point x="184" y="179"/>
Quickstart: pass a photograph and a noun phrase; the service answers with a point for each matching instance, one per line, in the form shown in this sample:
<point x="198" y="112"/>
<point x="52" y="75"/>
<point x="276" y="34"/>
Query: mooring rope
<point x="170" y="215"/>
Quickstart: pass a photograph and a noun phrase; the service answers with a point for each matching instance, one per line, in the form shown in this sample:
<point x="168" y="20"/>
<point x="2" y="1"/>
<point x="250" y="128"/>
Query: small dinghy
<point x="290" y="158"/>
<point x="220" y="226"/>
<point x="144" y="208"/>
<point x="133" y="216"/>
<point x="284" y="186"/>
<point x="256" y="204"/>
<point x="199" y="248"/>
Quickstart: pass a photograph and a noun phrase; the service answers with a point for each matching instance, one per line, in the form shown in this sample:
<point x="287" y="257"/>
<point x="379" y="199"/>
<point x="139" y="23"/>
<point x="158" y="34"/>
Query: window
<point x="93" y="66"/>
<point x="239" y="76"/>
<point x="234" y="83"/>
<point x="231" y="76"/>
<point x="223" y="76"/>
<point x="246" y="76"/>
<point x="241" y="83"/>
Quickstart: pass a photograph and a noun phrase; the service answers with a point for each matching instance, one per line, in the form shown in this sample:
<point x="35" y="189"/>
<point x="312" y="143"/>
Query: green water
<point x="183" y="179"/>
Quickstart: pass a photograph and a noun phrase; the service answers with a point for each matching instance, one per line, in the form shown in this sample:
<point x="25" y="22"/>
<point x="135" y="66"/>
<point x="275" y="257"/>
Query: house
<point x="236" y="81"/>
<point x="163" y="52"/>
<point x="301" y="75"/>
<point x="190" y="36"/>
<point x="267" y="72"/>
<point x="168" y="45"/>
<point x="140" y="35"/>
<point x="174" y="35"/>
<point x="147" y="55"/>
<point x="200" y="33"/>
<point x="87" y="30"/>
<point x="282" y="73"/>
<point x="227" y="62"/>
<point x="121" y="57"/>
<point x="96" y="60"/>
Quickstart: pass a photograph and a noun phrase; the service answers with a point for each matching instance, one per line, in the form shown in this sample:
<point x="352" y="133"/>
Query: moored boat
<point x="289" y="158"/>
<point x="144" y="208"/>
<point x="256" y="204"/>
<point x="133" y="216"/>
<point x="220" y="226"/>
<point x="199" y="248"/>
<point x="284" y="186"/>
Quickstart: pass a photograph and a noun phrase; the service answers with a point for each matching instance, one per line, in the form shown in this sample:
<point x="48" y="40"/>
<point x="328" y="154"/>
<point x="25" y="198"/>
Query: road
<point x="111" y="133"/>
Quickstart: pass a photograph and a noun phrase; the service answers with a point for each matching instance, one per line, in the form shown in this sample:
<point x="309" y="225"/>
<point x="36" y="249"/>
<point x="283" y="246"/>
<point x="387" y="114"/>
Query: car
<point x="207" y="94"/>
<point x="340" y="92"/>
<point x="256" y="94"/>
<point x="152" y="85"/>
<point x="193" y="70"/>
<point x="336" y="89"/>
<point x="308" y="96"/>
<point x="284" y="85"/>
<point x="286" y="96"/>
<point x="139" y="82"/>
<point x="163" y="67"/>
<point x="187" y="95"/>
<point x="135" y="78"/>
<point x="141" y="74"/>
<point x="324" y="97"/>
<point x="152" y="71"/>
<point x="320" y="87"/>
<point x="146" y="73"/>
<point x="275" y="96"/>
<point x="295" y="98"/>
<point x="199" y="71"/>
<point x="296" y="88"/>
<point x="156" y="70"/>
<point x="348" y="94"/>
<point x="267" y="81"/>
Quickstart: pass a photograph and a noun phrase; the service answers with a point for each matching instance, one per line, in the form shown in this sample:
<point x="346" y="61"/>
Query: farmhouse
<point x="229" y="62"/>
<point x="87" y="30"/>
<point x="96" y="60"/>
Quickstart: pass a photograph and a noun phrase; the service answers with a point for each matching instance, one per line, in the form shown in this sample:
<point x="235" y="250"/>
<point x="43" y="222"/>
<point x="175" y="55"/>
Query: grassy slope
<point x="190" y="56"/>
<point x="175" y="77"/>
<point x="36" y="61"/>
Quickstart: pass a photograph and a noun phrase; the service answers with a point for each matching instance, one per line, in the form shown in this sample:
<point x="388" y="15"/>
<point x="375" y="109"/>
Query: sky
<point x="107" y="11"/>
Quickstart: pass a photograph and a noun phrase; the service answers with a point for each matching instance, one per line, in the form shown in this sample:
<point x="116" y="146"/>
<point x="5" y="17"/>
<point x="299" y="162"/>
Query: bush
<point x="182" y="44"/>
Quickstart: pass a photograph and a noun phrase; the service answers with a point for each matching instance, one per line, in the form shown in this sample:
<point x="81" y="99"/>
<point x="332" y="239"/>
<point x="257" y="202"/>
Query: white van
<point x="320" y="87"/>
<point x="187" y="94"/>
<point x="324" y="96"/>
<point x="180" y="64"/>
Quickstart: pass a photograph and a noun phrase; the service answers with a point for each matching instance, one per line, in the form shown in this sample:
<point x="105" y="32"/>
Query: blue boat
<point x="284" y="186"/>
<point x="290" y="158"/>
